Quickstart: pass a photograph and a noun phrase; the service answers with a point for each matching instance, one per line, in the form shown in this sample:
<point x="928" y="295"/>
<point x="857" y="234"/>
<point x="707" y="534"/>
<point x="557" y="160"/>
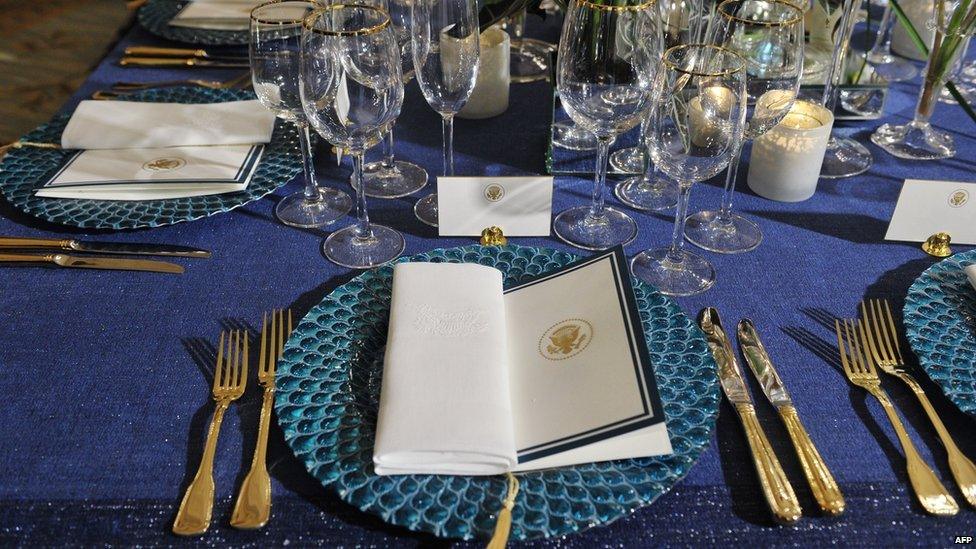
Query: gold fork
<point x="230" y="379"/>
<point x="253" y="506"/>
<point x="859" y="369"/>
<point x="237" y="81"/>
<point x="882" y="340"/>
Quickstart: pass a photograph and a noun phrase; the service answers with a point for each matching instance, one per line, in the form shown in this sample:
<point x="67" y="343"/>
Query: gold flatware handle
<point x="193" y="517"/>
<point x="253" y="506"/>
<point x="933" y="496"/>
<point x="153" y="51"/>
<point x="776" y="487"/>
<point x="10" y="242"/>
<point x="822" y="483"/>
<point x="963" y="470"/>
<point x="28" y="258"/>
<point x="155" y="62"/>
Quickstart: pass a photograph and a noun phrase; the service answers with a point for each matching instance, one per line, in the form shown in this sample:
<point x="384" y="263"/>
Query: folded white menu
<point x="971" y="273"/>
<point x="141" y="125"/>
<point x="480" y="380"/>
<point x="232" y="15"/>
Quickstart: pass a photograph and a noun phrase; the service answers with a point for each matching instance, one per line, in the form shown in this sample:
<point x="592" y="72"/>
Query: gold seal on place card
<point x="565" y="339"/>
<point x="494" y="192"/>
<point x="164" y="164"/>
<point x="958" y="198"/>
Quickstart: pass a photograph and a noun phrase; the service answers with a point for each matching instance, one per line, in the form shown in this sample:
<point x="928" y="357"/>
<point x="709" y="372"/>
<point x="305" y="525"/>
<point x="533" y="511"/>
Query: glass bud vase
<point x="918" y="140"/>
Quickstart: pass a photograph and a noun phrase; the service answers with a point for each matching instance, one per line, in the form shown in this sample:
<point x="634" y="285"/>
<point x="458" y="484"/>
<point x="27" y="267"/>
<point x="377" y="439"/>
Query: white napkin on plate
<point x="444" y="401"/>
<point x="144" y="125"/>
<point x="971" y="273"/>
<point x="232" y="15"/>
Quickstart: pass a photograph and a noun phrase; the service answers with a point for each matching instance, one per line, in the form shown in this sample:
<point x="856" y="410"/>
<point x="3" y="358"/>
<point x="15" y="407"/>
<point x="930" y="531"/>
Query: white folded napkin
<point x="444" y="401"/>
<point x="143" y="125"/>
<point x="971" y="273"/>
<point x="232" y="15"/>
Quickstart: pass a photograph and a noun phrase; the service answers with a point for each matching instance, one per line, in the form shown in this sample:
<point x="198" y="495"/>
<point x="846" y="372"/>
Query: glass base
<point x="403" y="179"/>
<point x="577" y="228"/>
<point x="691" y="275"/>
<point x="915" y="141"/>
<point x="647" y="196"/>
<point x="731" y="235"/>
<point x="347" y="249"/>
<point x="426" y="209"/>
<point x="529" y="61"/>
<point x="295" y="210"/>
<point x="568" y="136"/>
<point x="891" y="68"/>
<point x="845" y="158"/>
<point x="629" y="160"/>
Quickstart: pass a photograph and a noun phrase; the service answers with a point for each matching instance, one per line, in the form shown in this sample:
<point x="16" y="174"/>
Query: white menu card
<point x="928" y="207"/>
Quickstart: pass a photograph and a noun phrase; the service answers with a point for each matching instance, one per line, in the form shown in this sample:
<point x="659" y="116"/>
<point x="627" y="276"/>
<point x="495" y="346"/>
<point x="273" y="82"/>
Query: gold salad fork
<point x="253" y="507"/>
<point x="859" y="369"/>
<point x="230" y="379"/>
<point x="882" y="340"/>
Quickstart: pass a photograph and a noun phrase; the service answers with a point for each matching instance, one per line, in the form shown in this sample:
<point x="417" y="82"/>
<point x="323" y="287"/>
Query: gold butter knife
<point x="153" y="51"/>
<point x="822" y="483"/>
<point x="775" y="486"/>
<point x="65" y="260"/>
<point x="130" y="61"/>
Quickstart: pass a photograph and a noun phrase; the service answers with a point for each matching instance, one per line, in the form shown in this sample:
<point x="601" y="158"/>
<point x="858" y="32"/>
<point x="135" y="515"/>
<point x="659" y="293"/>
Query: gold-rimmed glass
<point x="273" y="50"/>
<point x="606" y="50"/>
<point x="352" y="90"/>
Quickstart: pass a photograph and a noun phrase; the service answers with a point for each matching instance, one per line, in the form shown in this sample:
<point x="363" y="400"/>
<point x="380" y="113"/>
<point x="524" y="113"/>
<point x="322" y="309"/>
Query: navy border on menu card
<point x="652" y="413"/>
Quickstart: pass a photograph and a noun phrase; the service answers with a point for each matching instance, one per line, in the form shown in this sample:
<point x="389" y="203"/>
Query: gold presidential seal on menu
<point x="566" y="339"/>
<point x="494" y="192"/>
<point x="958" y="198"/>
<point x="165" y="164"/>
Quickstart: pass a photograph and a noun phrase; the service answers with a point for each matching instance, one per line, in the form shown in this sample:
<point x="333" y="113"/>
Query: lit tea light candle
<point x="708" y="116"/>
<point x="785" y="162"/>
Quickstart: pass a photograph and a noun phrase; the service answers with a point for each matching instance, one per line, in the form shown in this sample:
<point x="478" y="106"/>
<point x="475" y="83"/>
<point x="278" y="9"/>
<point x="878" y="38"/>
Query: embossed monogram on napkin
<point x="433" y="321"/>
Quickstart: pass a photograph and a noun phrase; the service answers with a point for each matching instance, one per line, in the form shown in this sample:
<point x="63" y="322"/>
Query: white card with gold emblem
<point x="928" y="207"/>
<point x="520" y="206"/>
<point x="154" y="174"/>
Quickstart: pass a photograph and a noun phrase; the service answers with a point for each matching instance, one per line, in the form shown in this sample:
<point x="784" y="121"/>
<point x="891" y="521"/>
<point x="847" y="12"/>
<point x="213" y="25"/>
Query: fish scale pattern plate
<point x="328" y="392"/>
<point x="940" y="323"/>
<point x="156" y="15"/>
<point x="26" y="169"/>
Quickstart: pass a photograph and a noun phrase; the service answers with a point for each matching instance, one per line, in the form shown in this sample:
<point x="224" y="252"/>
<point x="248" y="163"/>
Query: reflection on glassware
<point x="768" y="35"/>
<point x="629" y="160"/>
<point x="570" y="136"/>
<point x="649" y="191"/>
<point x="695" y="132"/>
<point x="274" y="36"/>
<point x="529" y="58"/>
<point x="352" y="90"/>
<point x="446" y="48"/>
<point x="887" y="65"/>
<point x="605" y="50"/>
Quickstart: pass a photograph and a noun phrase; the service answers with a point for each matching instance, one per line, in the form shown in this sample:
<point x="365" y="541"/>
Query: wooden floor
<point x="47" y="48"/>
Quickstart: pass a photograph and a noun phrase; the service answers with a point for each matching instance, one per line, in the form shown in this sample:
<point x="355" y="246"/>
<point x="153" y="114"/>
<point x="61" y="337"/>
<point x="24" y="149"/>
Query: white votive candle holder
<point x="490" y="95"/>
<point x="785" y="162"/>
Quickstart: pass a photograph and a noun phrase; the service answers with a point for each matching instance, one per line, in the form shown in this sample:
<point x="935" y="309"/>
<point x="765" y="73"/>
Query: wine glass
<point x="389" y="177"/>
<point x="352" y="90"/>
<point x="446" y="48"/>
<point x="605" y="49"/>
<point x="694" y="134"/>
<point x="884" y="63"/>
<point x="275" y="35"/>
<point x="768" y="35"/>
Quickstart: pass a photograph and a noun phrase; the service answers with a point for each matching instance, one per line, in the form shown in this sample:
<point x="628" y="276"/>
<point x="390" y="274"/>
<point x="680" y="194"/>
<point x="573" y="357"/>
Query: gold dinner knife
<point x="65" y="260"/>
<point x="776" y="487"/>
<point x="67" y="245"/>
<point x="153" y="51"/>
<point x="822" y="482"/>
<point x="130" y="61"/>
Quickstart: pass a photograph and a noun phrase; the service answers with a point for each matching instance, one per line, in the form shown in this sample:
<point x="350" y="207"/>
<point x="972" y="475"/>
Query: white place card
<point x="154" y="174"/>
<point x="520" y="206"/>
<point x="928" y="207"/>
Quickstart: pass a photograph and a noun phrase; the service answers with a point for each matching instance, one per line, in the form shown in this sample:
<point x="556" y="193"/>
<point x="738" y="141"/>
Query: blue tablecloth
<point x="105" y="376"/>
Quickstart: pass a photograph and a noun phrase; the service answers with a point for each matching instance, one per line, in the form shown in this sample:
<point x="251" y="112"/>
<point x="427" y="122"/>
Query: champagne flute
<point x="446" y="48"/>
<point x="768" y="35"/>
<point x="605" y="49"/>
<point x="352" y="91"/>
<point x="275" y="33"/>
<point x="389" y="177"/>
<point x="695" y="134"/>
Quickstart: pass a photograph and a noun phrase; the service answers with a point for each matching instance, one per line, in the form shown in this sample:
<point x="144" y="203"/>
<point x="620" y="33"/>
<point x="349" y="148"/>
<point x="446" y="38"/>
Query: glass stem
<point x="518" y="29"/>
<point x="600" y="176"/>
<point x="836" y="73"/>
<point x="305" y="142"/>
<point x="678" y="237"/>
<point x="363" y="229"/>
<point x="648" y="170"/>
<point x="448" y="127"/>
<point x="725" y="212"/>
<point x="882" y="42"/>
<point x="388" y="160"/>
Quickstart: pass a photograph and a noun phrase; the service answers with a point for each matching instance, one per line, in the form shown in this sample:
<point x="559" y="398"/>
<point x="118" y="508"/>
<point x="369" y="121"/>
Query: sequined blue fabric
<point x="26" y="169"/>
<point x="940" y="323"/>
<point x="328" y="391"/>
<point x="156" y="15"/>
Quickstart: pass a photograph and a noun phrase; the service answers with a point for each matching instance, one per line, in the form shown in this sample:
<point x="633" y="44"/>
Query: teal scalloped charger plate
<point x="940" y="323"/>
<point x="328" y="386"/>
<point x="155" y="16"/>
<point x="26" y="169"/>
